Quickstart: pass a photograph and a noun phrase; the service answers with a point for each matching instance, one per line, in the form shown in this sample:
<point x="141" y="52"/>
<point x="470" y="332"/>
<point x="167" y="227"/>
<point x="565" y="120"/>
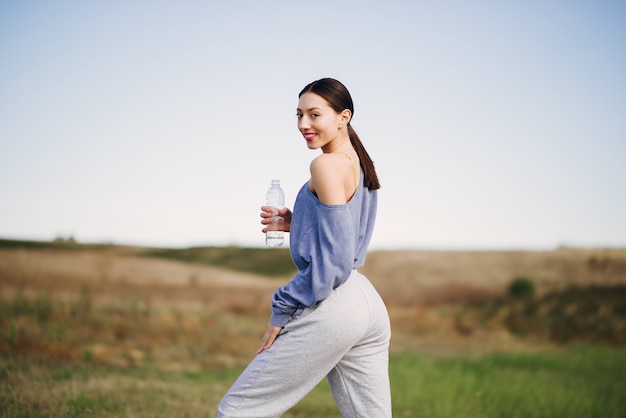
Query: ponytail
<point x="371" y="179"/>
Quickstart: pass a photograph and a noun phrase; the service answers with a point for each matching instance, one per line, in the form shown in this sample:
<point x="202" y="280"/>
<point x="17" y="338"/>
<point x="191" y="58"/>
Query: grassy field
<point x="576" y="382"/>
<point x="108" y="331"/>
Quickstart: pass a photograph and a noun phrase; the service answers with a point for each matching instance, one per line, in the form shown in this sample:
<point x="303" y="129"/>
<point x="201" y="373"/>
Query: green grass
<point x="575" y="382"/>
<point x="31" y="388"/>
<point x="580" y="382"/>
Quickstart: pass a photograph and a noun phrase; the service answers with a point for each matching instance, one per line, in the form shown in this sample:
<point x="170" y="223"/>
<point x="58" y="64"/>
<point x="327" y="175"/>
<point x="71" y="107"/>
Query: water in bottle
<point x="275" y="229"/>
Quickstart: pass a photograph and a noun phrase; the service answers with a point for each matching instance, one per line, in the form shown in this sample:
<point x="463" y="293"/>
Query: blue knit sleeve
<point x="326" y="252"/>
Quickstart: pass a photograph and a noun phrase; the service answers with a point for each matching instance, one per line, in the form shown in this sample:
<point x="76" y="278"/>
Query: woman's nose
<point x="303" y="123"/>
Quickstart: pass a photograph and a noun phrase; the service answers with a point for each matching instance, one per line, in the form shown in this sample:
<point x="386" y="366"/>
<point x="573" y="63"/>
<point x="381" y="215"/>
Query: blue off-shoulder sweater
<point x="327" y="242"/>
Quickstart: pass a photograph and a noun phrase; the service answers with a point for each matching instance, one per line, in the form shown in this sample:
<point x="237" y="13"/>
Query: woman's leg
<point x="360" y="381"/>
<point x="308" y="348"/>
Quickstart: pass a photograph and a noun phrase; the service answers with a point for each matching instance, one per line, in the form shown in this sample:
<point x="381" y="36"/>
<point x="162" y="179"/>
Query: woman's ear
<point x="345" y="116"/>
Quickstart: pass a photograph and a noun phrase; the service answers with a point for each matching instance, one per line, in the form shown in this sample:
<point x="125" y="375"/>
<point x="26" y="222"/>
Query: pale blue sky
<point x="492" y="125"/>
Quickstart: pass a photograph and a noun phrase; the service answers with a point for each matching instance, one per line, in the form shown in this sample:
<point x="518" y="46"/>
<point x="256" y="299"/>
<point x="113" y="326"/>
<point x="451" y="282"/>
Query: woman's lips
<point x="309" y="136"/>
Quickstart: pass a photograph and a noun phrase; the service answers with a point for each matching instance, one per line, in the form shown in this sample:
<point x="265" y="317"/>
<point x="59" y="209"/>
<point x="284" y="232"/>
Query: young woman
<point x="328" y="320"/>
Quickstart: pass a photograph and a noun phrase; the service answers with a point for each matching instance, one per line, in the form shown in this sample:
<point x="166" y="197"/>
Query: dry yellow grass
<point x="115" y="307"/>
<point x="423" y="274"/>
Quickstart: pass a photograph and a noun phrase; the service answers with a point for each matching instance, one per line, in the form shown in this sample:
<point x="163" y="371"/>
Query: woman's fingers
<point x="271" y="333"/>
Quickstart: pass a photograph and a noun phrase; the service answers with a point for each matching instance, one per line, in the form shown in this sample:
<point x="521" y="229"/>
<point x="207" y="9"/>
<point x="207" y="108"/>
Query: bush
<point x="521" y="288"/>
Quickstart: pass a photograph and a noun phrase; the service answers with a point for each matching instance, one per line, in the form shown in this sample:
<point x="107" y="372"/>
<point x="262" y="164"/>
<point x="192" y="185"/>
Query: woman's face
<point x="317" y="121"/>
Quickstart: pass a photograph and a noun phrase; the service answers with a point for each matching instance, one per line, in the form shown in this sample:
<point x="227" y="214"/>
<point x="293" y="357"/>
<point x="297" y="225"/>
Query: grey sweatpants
<point x="345" y="338"/>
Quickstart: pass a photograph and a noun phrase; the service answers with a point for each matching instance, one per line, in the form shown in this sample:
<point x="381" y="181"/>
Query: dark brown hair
<point x="338" y="97"/>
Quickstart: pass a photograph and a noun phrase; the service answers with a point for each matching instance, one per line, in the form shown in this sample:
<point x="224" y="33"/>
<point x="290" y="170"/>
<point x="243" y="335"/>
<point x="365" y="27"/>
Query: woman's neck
<point x="339" y="144"/>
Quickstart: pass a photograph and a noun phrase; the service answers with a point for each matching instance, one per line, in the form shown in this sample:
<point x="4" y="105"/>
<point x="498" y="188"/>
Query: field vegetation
<point x="109" y="331"/>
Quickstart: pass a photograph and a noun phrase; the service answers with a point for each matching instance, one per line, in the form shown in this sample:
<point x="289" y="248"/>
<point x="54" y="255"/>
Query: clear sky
<point x="492" y="124"/>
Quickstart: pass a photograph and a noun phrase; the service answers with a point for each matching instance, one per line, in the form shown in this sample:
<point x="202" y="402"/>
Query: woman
<point x="328" y="320"/>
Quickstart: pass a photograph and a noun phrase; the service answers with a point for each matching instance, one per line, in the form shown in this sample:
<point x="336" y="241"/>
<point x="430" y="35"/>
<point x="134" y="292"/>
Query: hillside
<point x="121" y="305"/>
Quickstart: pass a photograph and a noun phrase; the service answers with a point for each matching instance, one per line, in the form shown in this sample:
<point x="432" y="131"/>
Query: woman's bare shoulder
<point x="324" y="161"/>
<point x="327" y="179"/>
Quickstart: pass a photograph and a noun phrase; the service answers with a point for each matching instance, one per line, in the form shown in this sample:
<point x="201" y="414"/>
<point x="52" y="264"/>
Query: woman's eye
<point x="315" y="115"/>
<point x="299" y="115"/>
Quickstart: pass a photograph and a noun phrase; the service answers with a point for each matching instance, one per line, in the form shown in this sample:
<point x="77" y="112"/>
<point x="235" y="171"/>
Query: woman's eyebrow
<point x="308" y="110"/>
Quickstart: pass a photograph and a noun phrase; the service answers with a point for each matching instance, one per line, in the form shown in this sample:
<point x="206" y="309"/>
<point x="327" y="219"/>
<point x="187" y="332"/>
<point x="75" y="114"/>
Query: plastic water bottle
<point x="275" y="236"/>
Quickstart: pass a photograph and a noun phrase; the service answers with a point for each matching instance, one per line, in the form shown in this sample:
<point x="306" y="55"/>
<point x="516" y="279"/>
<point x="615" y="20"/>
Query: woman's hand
<point x="271" y="333"/>
<point x="268" y="212"/>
